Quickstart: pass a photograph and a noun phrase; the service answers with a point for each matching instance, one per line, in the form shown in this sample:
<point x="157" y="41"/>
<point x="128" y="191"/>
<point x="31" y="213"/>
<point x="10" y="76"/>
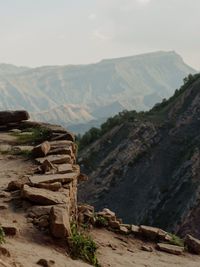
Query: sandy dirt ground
<point x="30" y="244"/>
<point x="116" y="251"/>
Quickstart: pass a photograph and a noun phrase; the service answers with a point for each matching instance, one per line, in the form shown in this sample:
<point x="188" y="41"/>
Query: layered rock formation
<point x="147" y="169"/>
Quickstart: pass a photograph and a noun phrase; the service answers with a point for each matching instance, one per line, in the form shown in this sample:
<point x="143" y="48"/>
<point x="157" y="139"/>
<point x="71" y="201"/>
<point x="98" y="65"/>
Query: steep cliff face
<point x="148" y="169"/>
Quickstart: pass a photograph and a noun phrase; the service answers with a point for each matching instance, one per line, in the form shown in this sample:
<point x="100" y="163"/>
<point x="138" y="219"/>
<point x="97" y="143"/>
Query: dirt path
<point x="30" y="245"/>
<point x="116" y="251"/>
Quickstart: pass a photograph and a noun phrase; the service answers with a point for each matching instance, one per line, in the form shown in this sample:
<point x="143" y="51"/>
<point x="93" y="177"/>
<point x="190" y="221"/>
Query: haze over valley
<point x="81" y="96"/>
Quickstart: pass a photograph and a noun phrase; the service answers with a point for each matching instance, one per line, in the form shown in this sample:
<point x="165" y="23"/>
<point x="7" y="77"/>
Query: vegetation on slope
<point x="156" y="114"/>
<point x="83" y="247"/>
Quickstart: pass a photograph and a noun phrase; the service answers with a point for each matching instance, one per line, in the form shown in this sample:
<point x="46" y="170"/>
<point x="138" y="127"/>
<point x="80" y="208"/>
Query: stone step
<point x="64" y="168"/>
<point x="43" y="196"/>
<point x="55" y="159"/>
<point x="52" y="178"/>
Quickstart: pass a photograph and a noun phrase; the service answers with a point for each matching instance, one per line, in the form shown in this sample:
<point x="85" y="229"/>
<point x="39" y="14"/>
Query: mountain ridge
<point x="135" y="82"/>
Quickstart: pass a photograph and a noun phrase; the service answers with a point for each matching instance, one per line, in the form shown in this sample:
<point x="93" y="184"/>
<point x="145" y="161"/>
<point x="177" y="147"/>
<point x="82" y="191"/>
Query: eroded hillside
<point x="147" y="168"/>
<point x="41" y="223"/>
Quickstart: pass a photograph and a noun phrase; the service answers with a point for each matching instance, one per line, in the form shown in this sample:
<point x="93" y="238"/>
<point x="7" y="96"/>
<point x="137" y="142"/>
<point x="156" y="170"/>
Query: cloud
<point x="143" y="2"/>
<point x="92" y="16"/>
<point x="99" y="34"/>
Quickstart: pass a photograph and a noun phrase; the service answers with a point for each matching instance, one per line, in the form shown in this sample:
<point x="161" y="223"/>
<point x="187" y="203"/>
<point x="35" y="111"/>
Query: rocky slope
<point x="38" y="193"/>
<point x="77" y="94"/>
<point x="147" y="167"/>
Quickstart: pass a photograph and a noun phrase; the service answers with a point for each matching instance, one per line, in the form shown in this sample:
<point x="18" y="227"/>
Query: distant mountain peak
<point x="102" y="89"/>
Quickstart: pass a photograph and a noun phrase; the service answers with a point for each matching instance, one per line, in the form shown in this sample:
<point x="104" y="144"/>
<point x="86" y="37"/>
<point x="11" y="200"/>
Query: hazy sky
<point x="50" y="32"/>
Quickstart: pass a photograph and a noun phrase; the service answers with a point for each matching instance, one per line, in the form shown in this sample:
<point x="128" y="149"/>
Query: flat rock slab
<point x="60" y="143"/>
<point x="61" y="151"/>
<point x="52" y="178"/>
<point x="55" y="159"/>
<point x="176" y="250"/>
<point x="64" y="168"/>
<point x="63" y="143"/>
<point x="43" y="196"/>
<point x="152" y="233"/>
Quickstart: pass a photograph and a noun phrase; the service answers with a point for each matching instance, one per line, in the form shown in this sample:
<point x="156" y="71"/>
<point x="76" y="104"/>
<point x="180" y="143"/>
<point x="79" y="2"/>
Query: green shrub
<point x="34" y="135"/>
<point x="2" y="235"/>
<point x="175" y="240"/>
<point x="101" y="221"/>
<point x="83" y="247"/>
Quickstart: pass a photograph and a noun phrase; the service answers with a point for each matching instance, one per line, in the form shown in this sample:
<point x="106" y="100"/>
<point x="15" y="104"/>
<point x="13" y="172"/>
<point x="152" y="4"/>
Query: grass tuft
<point x="100" y="221"/>
<point x="2" y="235"/>
<point x="175" y="240"/>
<point x="34" y="135"/>
<point x="83" y="247"/>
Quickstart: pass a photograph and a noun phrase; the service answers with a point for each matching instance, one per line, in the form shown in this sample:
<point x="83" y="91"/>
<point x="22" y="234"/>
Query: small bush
<point x="101" y="221"/>
<point x="34" y="135"/>
<point x="177" y="241"/>
<point x="2" y="235"/>
<point x="83" y="247"/>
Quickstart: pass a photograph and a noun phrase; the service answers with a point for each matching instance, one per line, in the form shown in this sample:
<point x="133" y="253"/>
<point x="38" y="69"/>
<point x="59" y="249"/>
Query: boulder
<point x="114" y="224"/>
<point x="13" y="116"/>
<point x="134" y="229"/>
<point x="41" y="150"/>
<point x="176" y="250"/>
<point x="60" y="222"/>
<point x="152" y="233"/>
<point x="109" y="212"/>
<point x="42" y="196"/>
<point x="193" y="244"/>
<point x="123" y="230"/>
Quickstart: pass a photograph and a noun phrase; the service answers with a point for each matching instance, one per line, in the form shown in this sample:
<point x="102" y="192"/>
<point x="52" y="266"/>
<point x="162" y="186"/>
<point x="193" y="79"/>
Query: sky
<point x="61" y="32"/>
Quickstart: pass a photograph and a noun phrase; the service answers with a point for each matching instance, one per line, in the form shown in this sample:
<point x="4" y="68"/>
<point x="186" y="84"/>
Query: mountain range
<point x="76" y="95"/>
<point x="146" y="166"/>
